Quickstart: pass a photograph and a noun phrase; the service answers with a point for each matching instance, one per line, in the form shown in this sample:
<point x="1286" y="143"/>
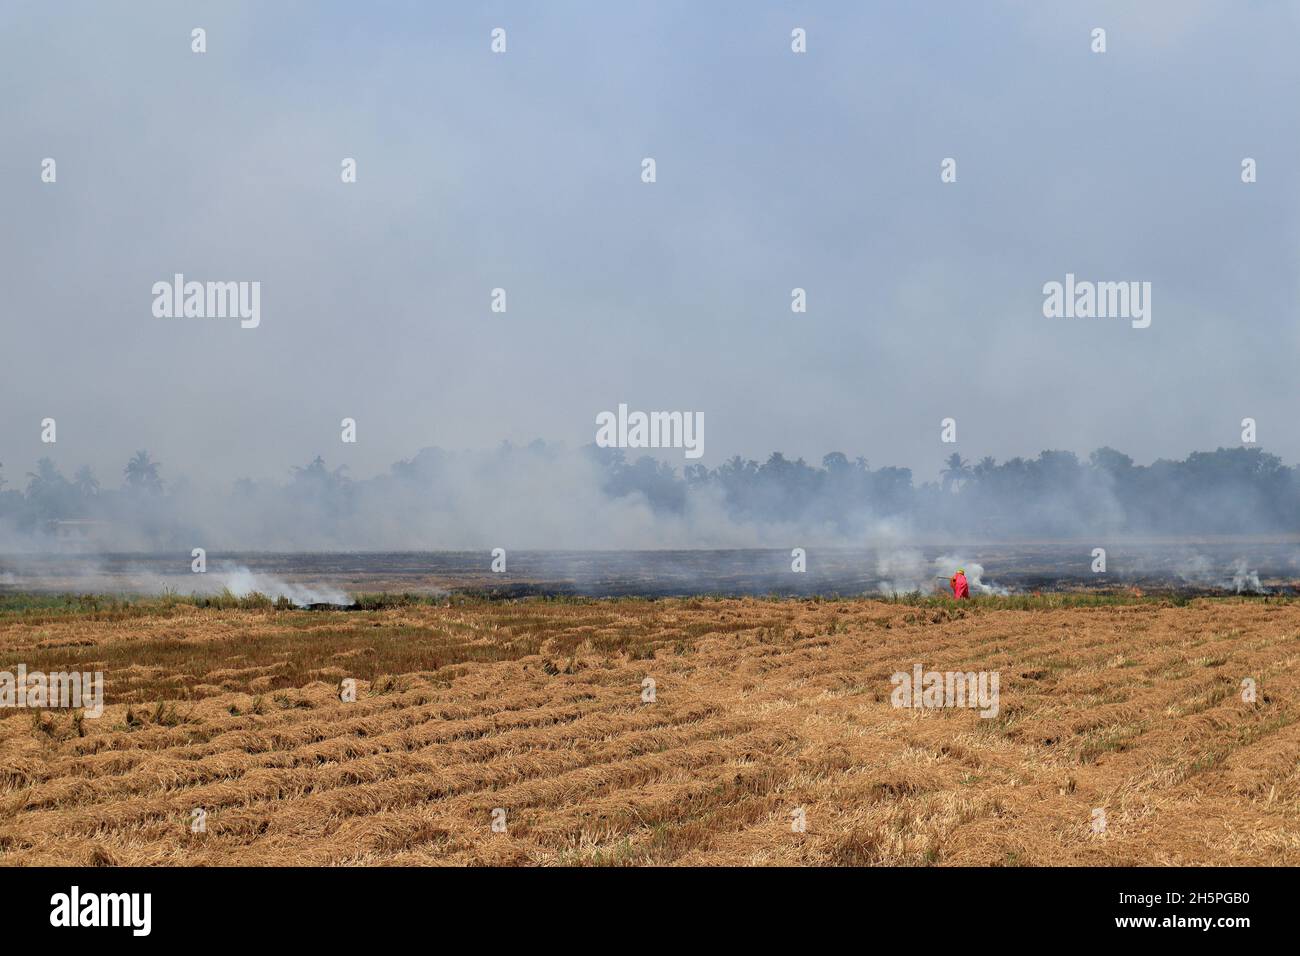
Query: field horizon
<point x="1192" y="566"/>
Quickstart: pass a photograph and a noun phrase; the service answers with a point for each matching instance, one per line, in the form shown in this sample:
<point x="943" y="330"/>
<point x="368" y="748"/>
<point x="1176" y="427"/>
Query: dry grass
<point x="762" y="707"/>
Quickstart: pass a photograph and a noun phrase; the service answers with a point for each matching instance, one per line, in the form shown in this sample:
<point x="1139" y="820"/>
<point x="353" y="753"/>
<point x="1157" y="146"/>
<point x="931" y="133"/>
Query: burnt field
<point x="1188" y="567"/>
<point x="625" y="732"/>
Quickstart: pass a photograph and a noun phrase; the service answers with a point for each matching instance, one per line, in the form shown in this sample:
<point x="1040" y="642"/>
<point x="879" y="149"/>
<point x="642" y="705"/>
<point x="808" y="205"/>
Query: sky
<point x="522" y="170"/>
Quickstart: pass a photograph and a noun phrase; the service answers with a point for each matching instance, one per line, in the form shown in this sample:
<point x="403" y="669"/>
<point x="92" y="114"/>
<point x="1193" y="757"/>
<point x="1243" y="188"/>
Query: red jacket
<point x="960" y="589"/>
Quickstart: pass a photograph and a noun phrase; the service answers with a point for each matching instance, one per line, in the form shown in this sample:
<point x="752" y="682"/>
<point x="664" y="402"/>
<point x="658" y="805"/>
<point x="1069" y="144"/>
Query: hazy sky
<point x="523" y="171"/>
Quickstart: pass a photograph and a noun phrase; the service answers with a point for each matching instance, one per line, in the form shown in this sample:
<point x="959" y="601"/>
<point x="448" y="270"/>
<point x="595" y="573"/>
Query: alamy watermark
<point x="935" y="690"/>
<point x="75" y="908"/>
<point x="208" y="300"/>
<point x="651" y="430"/>
<point x="1083" y="299"/>
<point x="75" y="689"/>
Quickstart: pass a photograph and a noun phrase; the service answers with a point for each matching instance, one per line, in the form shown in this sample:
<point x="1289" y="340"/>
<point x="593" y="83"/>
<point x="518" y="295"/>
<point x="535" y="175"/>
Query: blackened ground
<point x="1201" y="567"/>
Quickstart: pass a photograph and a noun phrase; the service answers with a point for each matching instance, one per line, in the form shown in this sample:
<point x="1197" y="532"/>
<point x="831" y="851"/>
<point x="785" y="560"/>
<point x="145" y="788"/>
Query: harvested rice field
<point x="671" y="732"/>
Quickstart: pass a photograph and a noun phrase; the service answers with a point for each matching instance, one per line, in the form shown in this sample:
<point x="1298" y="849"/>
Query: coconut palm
<point x="142" y="473"/>
<point x="45" y="478"/>
<point x="85" y="482"/>
<point x="957" y="471"/>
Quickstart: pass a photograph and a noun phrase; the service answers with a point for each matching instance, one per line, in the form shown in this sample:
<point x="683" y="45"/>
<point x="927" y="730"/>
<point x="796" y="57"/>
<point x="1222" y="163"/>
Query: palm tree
<point x="955" y="473"/>
<point x="315" y="469"/>
<point x="85" y="482"/>
<point x="142" y="474"/>
<point x="318" y="476"/>
<point x="45" y="478"/>
<point x="48" y="491"/>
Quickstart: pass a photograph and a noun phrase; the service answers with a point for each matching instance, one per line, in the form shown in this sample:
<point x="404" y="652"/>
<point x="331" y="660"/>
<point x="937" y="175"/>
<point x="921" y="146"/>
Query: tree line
<point x="1229" y="490"/>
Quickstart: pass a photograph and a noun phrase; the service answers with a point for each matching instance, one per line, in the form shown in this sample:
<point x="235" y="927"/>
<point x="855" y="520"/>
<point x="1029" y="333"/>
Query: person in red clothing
<point x="960" y="589"/>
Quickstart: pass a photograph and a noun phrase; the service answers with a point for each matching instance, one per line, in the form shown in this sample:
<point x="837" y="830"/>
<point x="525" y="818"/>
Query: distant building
<point x="79" y="532"/>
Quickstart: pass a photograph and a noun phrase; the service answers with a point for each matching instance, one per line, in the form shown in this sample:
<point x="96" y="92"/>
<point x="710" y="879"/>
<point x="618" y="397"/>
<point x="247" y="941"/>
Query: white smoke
<point x="1244" y="580"/>
<point x="903" y="571"/>
<point x="242" y="582"/>
<point x="1197" y="569"/>
<point x="1240" y="578"/>
<point x="948" y="564"/>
